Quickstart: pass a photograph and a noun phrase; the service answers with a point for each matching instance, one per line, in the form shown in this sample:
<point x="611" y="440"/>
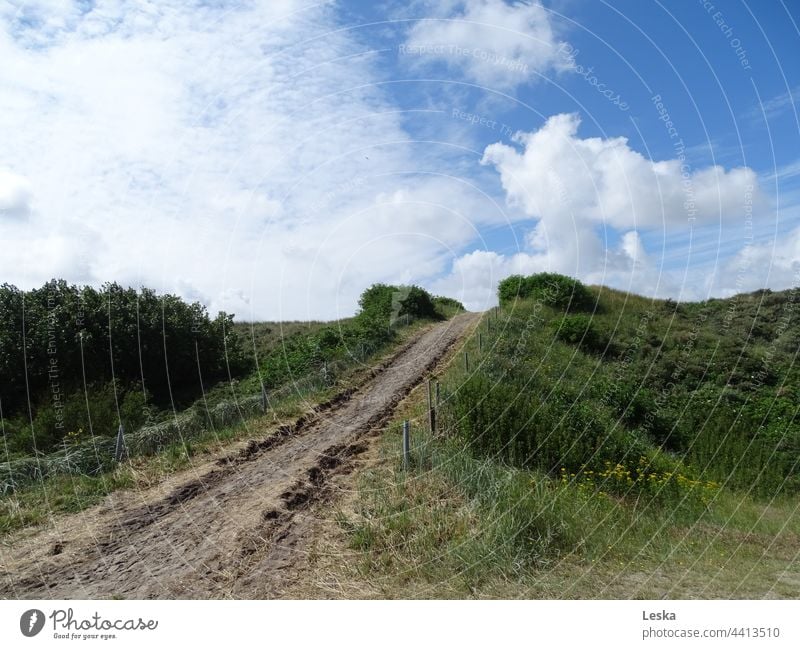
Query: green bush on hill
<point x="551" y="289"/>
<point x="579" y="329"/>
<point x="447" y="307"/>
<point x="94" y="358"/>
<point x="384" y="303"/>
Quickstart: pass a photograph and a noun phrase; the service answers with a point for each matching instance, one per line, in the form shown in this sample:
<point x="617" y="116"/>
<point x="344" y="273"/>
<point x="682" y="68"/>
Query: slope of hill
<point x="599" y="444"/>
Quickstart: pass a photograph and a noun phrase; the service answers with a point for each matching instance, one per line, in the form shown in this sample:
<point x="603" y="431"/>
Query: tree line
<point x="75" y="360"/>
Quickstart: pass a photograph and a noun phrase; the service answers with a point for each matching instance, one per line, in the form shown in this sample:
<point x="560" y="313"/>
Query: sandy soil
<point x="238" y="527"/>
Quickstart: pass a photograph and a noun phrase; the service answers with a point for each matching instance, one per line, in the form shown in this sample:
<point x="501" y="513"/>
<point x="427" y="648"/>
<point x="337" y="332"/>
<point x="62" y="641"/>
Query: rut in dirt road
<point x="232" y="531"/>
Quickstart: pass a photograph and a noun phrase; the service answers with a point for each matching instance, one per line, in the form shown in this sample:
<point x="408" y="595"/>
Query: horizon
<point x="241" y="321"/>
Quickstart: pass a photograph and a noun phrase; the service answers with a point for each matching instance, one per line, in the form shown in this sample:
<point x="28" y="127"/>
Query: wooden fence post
<point x="431" y="408"/>
<point x="406" y="444"/>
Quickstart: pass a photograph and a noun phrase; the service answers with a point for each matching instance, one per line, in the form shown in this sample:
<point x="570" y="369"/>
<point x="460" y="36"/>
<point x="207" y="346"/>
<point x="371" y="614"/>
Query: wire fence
<point x="96" y="455"/>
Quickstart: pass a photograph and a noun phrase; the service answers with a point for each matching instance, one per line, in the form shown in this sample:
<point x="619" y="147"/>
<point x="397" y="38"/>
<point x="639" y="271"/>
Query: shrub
<point x="417" y="303"/>
<point x="552" y="289"/>
<point x="376" y="303"/>
<point x="76" y="336"/>
<point x="384" y="303"/>
<point x="580" y="330"/>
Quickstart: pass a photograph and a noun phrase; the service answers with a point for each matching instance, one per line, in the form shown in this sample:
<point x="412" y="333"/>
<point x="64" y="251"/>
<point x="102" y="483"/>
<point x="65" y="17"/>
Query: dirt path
<point x="234" y="530"/>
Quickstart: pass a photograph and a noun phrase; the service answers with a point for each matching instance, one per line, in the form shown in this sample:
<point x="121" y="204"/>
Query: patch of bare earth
<point x="242" y="526"/>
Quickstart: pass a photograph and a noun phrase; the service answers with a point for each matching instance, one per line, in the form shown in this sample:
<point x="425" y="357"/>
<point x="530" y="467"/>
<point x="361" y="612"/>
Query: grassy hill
<point x="600" y="444"/>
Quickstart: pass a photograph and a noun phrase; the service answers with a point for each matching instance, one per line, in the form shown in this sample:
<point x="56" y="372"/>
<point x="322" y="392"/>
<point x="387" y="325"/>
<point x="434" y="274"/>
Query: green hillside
<point x="596" y="432"/>
<point x="578" y="379"/>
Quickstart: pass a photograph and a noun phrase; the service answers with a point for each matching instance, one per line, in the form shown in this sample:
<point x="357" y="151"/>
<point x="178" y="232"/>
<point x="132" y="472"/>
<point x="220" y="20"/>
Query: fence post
<point x="406" y="444"/>
<point x="480" y="342"/>
<point x="119" y="447"/>
<point x="437" y="394"/>
<point x="466" y="361"/>
<point x="431" y="408"/>
<point x="263" y="399"/>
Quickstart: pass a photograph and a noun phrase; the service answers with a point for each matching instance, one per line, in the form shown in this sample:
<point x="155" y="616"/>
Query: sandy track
<point x="233" y="530"/>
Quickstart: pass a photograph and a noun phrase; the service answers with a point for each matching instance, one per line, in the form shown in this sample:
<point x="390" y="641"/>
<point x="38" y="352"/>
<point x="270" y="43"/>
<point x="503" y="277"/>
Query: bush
<point x="552" y="289"/>
<point x="78" y="336"/>
<point x="580" y="330"/>
<point x="504" y="420"/>
<point x="417" y="303"/>
<point x="376" y="303"/>
<point x="384" y="303"/>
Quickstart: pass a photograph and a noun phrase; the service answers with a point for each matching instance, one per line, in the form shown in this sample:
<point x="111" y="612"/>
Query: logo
<point x="31" y="622"/>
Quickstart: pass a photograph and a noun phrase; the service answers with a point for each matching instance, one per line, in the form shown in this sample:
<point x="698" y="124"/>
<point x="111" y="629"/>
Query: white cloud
<point x="774" y="263"/>
<point x="242" y="155"/>
<point x="778" y="105"/>
<point x="15" y="195"/>
<point x="558" y="176"/>
<point x="490" y="42"/>
<point x="591" y="198"/>
<point x="212" y="150"/>
<point x="584" y="190"/>
<point x="474" y="276"/>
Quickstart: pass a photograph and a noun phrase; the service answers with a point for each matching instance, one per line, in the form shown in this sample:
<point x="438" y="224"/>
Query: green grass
<point x="457" y="526"/>
<point x="263" y="338"/>
<point x="35" y="504"/>
<point x="647" y="451"/>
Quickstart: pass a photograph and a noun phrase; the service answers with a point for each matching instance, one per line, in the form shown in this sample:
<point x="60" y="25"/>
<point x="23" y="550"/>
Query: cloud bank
<point x="240" y="154"/>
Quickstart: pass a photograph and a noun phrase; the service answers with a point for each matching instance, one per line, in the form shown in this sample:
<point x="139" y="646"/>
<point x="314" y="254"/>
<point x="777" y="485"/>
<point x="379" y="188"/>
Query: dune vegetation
<point x="599" y="444"/>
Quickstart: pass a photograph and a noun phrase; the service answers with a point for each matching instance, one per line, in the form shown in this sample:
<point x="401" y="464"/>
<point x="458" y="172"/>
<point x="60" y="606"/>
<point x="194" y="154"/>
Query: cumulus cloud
<point x="558" y="176"/>
<point x="774" y="263"/>
<point x="490" y="42"/>
<point x="585" y="191"/>
<point x="592" y="199"/>
<point x="474" y="276"/>
<point x="239" y="153"/>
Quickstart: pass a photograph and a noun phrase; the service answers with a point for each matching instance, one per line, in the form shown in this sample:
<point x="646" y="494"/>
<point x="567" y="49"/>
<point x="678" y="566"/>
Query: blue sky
<point x="274" y="158"/>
